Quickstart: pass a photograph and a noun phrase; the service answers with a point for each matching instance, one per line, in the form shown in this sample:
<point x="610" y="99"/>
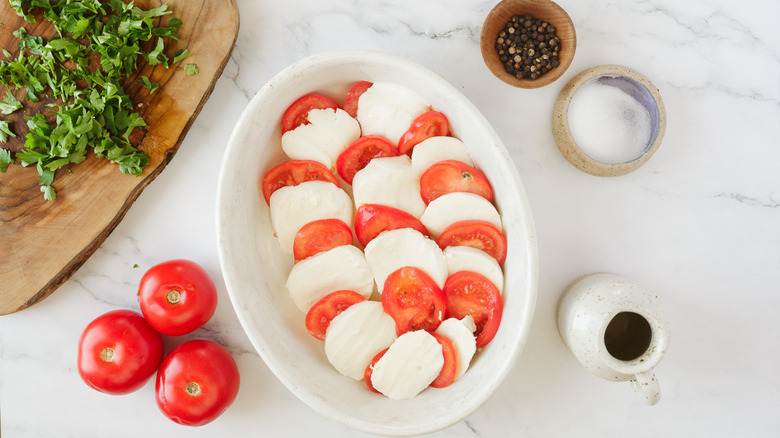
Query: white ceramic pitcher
<point x="616" y="330"/>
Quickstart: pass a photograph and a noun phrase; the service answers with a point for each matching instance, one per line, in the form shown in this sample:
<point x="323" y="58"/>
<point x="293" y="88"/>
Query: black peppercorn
<point x="528" y="47"/>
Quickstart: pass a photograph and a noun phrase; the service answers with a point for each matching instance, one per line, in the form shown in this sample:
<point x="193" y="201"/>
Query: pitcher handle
<point x="647" y="387"/>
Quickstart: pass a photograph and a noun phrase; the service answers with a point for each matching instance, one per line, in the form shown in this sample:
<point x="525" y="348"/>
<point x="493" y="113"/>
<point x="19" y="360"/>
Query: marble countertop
<point x="699" y="224"/>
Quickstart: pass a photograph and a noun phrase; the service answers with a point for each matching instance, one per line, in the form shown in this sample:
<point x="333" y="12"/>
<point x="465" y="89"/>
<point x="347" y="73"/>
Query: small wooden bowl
<point x="544" y="10"/>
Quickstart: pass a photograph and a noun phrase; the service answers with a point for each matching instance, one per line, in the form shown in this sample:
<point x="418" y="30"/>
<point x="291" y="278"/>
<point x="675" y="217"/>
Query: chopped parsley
<point x="148" y="84"/>
<point x="92" y="110"/>
<point x="9" y="104"/>
<point x="5" y="159"/>
<point x="5" y="131"/>
<point x="191" y="69"/>
<point x="181" y="55"/>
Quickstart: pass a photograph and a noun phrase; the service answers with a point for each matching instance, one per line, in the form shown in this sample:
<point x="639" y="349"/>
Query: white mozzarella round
<point x="388" y="110"/>
<point x="394" y="249"/>
<point x="465" y="258"/>
<point x="411" y="363"/>
<point x="356" y="335"/>
<point x="292" y="207"/>
<point x="432" y="150"/>
<point x="326" y="135"/>
<point x="455" y="207"/>
<point x="389" y="181"/>
<point x="461" y="333"/>
<point x="340" y="268"/>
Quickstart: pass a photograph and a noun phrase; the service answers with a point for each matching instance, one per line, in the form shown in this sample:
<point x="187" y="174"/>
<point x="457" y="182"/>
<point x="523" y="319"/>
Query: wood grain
<point x="42" y="243"/>
<point x="544" y="10"/>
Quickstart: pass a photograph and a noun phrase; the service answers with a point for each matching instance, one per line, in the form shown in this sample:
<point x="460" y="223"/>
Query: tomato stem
<point x="107" y="354"/>
<point x="192" y="389"/>
<point x="173" y="296"/>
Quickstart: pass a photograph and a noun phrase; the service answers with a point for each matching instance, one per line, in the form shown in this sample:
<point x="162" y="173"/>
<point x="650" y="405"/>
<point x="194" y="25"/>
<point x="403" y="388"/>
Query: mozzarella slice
<point x="461" y="333"/>
<point x="394" y="249"/>
<point x="388" y="110"/>
<point x="389" y="181"/>
<point x="465" y="258"/>
<point x="356" y="335"/>
<point x="295" y="206"/>
<point x="411" y="363"/>
<point x="432" y="150"/>
<point x="455" y="207"/>
<point x="340" y="268"/>
<point x="326" y="135"/>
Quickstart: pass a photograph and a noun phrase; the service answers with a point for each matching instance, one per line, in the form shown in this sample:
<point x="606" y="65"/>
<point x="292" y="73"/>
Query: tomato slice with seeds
<point x="453" y="176"/>
<point x="297" y="114"/>
<point x="353" y="95"/>
<point x="292" y="173"/>
<point x="469" y="293"/>
<point x="426" y="125"/>
<point x="413" y="300"/>
<point x="319" y="236"/>
<point x="372" y="219"/>
<point x="370" y="370"/>
<point x="476" y="234"/>
<point x="320" y="315"/>
<point x="447" y="373"/>
<point x="357" y="155"/>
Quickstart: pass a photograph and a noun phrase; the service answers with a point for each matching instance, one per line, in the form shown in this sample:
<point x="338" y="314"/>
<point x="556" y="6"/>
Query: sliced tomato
<point x="413" y="300"/>
<point x="353" y="95"/>
<point x="328" y="307"/>
<point x="292" y="173"/>
<point x="372" y="219"/>
<point x="370" y="370"/>
<point x="476" y="234"/>
<point x="447" y="374"/>
<point x="469" y="293"/>
<point x="453" y="176"/>
<point x="298" y="113"/>
<point x="357" y="155"/>
<point x="319" y="236"/>
<point x="426" y="125"/>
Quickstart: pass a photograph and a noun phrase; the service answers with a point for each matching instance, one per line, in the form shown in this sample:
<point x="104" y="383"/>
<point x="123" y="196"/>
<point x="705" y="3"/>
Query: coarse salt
<point x="608" y="124"/>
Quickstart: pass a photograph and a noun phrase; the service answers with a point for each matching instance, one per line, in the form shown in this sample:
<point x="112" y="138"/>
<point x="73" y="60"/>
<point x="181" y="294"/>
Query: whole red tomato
<point x="196" y="382"/>
<point x="177" y="297"/>
<point x="118" y="352"/>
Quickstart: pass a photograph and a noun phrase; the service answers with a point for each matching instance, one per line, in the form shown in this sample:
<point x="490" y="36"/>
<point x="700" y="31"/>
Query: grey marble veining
<point x="698" y="223"/>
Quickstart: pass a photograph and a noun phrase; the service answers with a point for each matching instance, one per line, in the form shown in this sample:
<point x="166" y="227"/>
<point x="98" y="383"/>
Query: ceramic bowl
<point x="631" y="82"/>
<point x="544" y="10"/>
<point x="255" y="267"/>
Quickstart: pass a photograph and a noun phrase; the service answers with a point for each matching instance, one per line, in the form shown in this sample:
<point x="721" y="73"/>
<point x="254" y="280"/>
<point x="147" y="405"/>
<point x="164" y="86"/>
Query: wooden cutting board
<point x="42" y="243"/>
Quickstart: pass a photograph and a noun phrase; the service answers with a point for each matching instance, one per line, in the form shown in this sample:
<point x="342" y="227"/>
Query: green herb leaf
<point x="5" y="131"/>
<point x="49" y="193"/>
<point x="45" y="176"/>
<point x="191" y="69"/>
<point x="9" y="104"/>
<point x="181" y="55"/>
<point x="5" y="159"/>
<point x="151" y="86"/>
